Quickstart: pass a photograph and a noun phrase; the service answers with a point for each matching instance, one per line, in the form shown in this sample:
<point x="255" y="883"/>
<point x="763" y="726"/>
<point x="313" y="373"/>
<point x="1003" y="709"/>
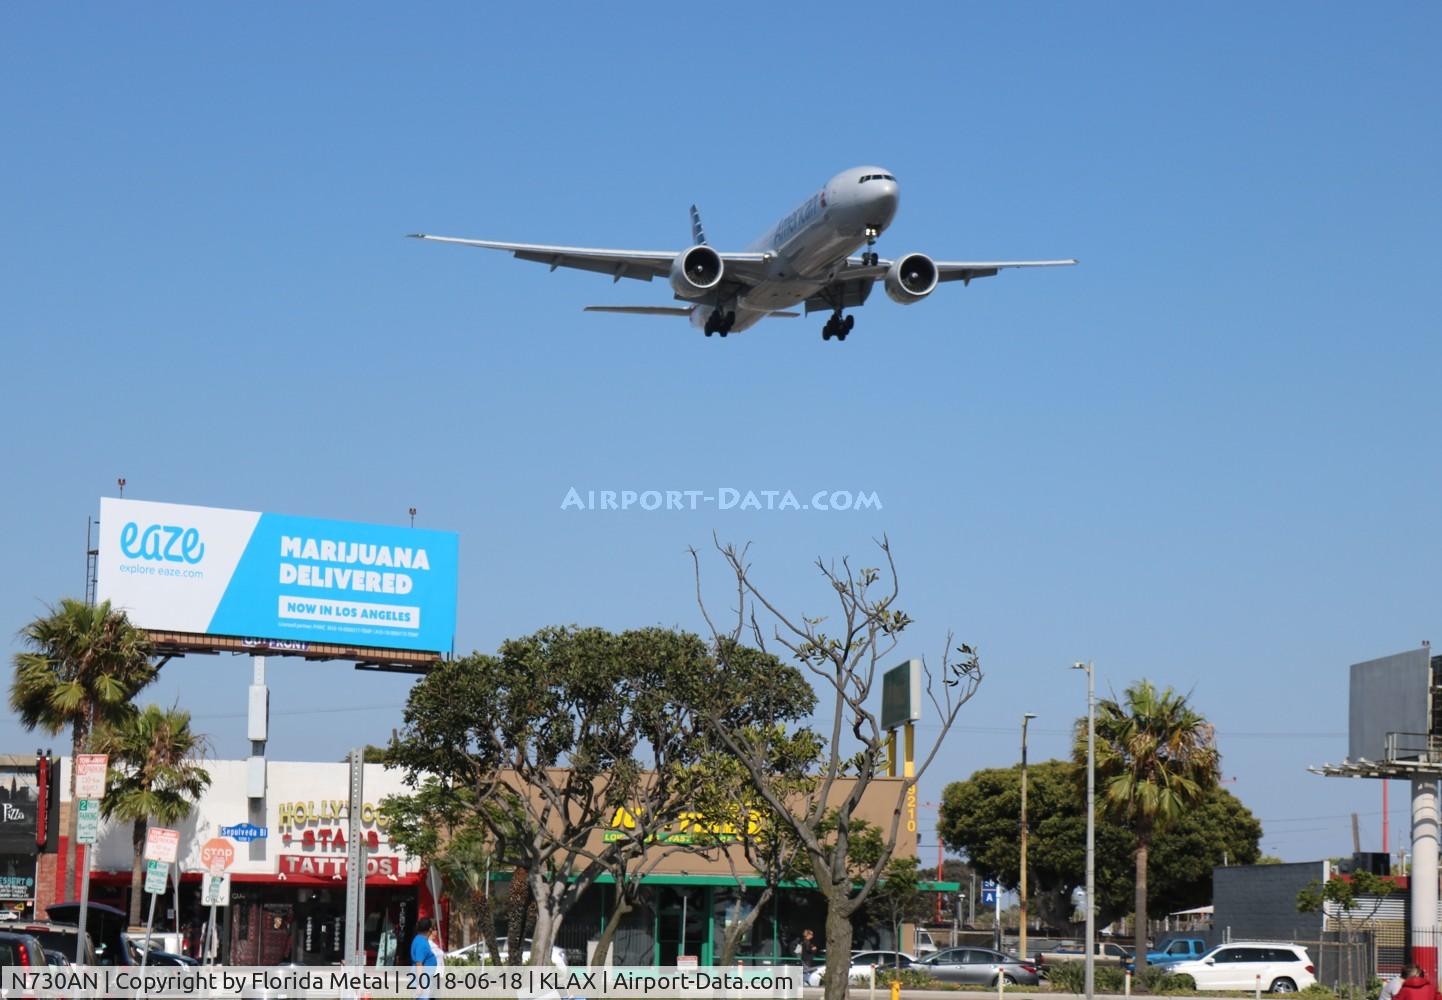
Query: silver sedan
<point x="978" y="965"/>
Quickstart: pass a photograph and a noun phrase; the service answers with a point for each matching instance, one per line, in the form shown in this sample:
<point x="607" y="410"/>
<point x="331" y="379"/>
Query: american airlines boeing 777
<point x="807" y="258"/>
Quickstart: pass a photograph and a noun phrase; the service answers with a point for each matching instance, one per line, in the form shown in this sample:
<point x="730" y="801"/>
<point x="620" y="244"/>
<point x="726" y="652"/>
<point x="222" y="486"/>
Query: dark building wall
<point x="1260" y="901"/>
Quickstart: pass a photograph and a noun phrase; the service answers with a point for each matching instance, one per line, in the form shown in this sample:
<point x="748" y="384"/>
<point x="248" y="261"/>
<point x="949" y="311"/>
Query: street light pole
<point x="1021" y="944"/>
<point x="1091" y="945"/>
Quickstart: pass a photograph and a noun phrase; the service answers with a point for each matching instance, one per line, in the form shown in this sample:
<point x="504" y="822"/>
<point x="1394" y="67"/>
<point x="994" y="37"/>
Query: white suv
<point x="1249" y="965"/>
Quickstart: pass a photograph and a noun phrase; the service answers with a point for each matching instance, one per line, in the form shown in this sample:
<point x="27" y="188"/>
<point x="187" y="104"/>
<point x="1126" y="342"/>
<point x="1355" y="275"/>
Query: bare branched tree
<point x="845" y="655"/>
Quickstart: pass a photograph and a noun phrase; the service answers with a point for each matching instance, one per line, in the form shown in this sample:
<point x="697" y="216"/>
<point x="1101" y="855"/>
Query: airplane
<point x="807" y="259"/>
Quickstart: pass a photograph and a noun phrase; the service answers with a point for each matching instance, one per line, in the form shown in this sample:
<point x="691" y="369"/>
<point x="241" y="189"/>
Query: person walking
<point x="423" y="956"/>
<point x="807" y="951"/>
<point x="1416" y="985"/>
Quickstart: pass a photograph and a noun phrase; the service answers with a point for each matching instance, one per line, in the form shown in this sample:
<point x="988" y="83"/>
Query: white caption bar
<point x="340" y="983"/>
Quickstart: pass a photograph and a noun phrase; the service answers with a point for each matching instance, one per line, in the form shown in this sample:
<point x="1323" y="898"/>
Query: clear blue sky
<point x="1207" y="456"/>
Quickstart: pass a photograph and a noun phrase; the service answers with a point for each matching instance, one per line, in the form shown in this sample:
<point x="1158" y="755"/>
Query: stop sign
<point x="216" y="854"/>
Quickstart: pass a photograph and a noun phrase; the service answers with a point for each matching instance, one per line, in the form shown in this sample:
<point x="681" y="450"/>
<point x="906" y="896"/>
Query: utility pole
<point x="1021" y="943"/>
<point x="1091" y="943"/>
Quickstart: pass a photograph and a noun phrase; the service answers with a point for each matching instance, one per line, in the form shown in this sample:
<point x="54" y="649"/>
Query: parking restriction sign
<point x="162" y="844"/>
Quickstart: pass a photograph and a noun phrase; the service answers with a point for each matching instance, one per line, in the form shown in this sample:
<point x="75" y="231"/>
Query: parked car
<point x="978" y="965"/>
<point x="862" y="962"/>
<point x="104" y="925"/>
<point x="477" y="951"/>
<point x="23" y="950"/>
<point x="1179" y="949"/>
<point x="1244" y="965"/>
<point x="55" y="937"/>
<point x="157" y="957"/>
<point x="159" y="940"/>
<point x="1107" y="953"/>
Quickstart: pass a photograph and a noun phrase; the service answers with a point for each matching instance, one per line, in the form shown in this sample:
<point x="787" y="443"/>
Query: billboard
<point x="901" y="695"/>
<point x="211" y="571"/>
<point x="1390" y="701"/>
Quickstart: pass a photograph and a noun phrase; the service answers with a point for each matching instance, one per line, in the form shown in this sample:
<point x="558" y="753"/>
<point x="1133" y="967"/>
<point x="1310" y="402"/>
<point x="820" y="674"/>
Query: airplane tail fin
<point x="698" y="235"/>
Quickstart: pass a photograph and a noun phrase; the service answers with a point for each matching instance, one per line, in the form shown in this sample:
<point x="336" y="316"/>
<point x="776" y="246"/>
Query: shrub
<point x="1154" y="979"/>
<point x="1110" y="978"/>
<point x="1068" y="977"/>
<point x="908" y="978"/>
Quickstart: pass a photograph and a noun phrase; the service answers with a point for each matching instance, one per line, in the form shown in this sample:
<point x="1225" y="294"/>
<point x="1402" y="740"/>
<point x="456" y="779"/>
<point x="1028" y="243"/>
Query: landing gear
<point x="838" y="326"/>
<point x="869" y="258"/>
<point x="719" y="322"/>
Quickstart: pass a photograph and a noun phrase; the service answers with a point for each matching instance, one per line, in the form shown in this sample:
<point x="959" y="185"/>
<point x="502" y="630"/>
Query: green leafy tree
<point x="155" y="776"/>
<point x="1155" y="758"/>
<point x="1356" y="898"/>
<point x="81" y="667"/>
<point x="899" y="898"/>
<point x="1217" y="830"/>
<point x="844" y="655"/>
<point x="544" y="743"/>
<point x="439" y="826"/>
<point x="980" y="817"/>
<point x="958" y="871"/>
<point x="674" y="804"/>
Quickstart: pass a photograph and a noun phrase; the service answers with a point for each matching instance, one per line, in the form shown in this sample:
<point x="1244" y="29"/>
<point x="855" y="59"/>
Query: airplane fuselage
<point x="811" y="242"/>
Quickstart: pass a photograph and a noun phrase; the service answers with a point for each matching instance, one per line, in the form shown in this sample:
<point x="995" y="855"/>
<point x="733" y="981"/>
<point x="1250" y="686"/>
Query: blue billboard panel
<point x="211" y="571"/>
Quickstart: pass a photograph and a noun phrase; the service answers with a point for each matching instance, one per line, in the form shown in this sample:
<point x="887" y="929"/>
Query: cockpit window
<point x="875" y="177"/>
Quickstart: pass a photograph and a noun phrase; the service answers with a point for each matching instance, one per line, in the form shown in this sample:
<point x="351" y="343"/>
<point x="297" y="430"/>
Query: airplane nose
<point x="884" y="200"/>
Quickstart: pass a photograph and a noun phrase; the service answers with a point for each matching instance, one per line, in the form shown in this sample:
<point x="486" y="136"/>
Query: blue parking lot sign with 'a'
<point x="988" y="892"/>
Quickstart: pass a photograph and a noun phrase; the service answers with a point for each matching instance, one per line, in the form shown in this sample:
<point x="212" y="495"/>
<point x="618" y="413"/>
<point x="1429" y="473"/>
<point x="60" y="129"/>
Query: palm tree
<point x="155" y="775"/>
<point x="1155" y="757"/>
<point x="83" y="666"/>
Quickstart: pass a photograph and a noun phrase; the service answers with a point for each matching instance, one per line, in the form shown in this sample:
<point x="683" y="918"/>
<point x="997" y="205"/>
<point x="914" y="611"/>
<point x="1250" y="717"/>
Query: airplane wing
<point x="640" y="310"/>
<point x="851" y="284"/>
<point x="958" y="270"/>
<point x="642" y="265"/>
<point x="662" y="310"/>
<point x="947" y="270"/>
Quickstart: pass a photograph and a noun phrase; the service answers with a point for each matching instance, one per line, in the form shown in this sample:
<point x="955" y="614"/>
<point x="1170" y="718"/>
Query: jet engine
<point x="695" y="272"/>
<point x="911" y="279"/>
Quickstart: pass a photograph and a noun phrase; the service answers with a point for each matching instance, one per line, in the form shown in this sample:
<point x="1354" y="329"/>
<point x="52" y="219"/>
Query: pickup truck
<point x="1181" y="949"/>
<point x="1107" y="953"/>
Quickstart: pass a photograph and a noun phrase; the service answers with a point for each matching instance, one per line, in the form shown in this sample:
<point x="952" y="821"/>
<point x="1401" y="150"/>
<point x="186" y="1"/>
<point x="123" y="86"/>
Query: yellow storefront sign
<point x="691" y="828"/>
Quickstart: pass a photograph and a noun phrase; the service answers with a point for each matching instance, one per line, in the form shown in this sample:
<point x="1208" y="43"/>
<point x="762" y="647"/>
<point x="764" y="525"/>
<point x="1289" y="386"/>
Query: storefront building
<point x="27" y="827"/>
<point x="287" y="885"/>
<point x="694" y="893"/>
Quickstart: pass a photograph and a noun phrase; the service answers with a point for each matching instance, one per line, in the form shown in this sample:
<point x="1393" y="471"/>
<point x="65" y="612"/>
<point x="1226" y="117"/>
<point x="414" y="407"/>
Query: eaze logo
<point x="162" y="543"/>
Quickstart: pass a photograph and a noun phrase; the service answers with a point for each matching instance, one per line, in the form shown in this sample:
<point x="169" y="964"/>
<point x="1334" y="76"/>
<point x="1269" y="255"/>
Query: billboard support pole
<point x="355" y="878"/>
<point x="1422" y="902"/>
<point x="257" y="730"/>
